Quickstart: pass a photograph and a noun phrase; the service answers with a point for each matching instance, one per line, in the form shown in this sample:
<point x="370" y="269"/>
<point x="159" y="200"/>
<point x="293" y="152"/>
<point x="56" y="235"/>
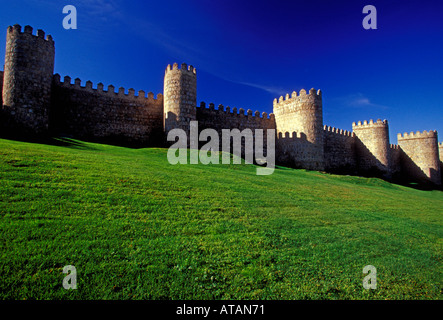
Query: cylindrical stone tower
<point x="372" y="146"/>
<point x="421" y="155"/>
<point x="440" y="152"/>
<point x="303" y="115"/>
<point x="29" y="67"/>
<point x="179" y="97"/>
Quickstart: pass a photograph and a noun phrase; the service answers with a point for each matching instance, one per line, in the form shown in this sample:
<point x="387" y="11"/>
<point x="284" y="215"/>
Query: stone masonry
<point x="29" y="67"/>
<point x="421" y="154"/>
<point x="36" y="102"/>
<point x="372" y="145"/>
<point x="105" y="115"/>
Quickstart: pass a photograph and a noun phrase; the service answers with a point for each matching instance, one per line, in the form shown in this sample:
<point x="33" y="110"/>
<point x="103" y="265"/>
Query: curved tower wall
<point x="372" y="146"/>
<point x="440" y="155"/>
<point x="421" y="151"/>
<point x="299" y="123"/>
<point x="29" y="67"/>
<point x="440" y="152"/>
<point x="179" y="96"/>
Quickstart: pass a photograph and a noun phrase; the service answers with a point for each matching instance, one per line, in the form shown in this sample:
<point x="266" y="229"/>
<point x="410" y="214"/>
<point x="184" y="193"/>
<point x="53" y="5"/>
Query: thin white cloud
<point x="358" y="100"/>
<point x="274" y="90"/>
<point x="86" y="7"/>
<point x="100" y="11"/>
<point x="99" y="7"/>
<point x="185" y="50"/>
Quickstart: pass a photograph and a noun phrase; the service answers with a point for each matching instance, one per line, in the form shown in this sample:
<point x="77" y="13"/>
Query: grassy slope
<point x="137" y="227"/>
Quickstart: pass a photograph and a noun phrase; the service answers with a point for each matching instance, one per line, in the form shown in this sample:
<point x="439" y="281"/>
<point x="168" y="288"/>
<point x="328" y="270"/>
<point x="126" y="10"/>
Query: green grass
<point x="136" y="227"/>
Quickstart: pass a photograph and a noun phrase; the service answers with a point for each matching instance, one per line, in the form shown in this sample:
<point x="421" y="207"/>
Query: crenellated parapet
<point x="235" y="111"/>
<point x="289" y="135"/>
<point x="121" y="93"/>
<point x="370" y="124"/>
<point x="35" y="101"/>
<point x="29" y="66"/>
<point x="417" y="135"/>
<point x="221" y="117"/>
<point x="300" y="112"/>
<point x="28" y="30"/>
<point x="338" y="131"/>
<point x="90" y="112"/>
<point x="421" y="151"/>
<point x="290" y="103"/>
<point x="183" y="68"/>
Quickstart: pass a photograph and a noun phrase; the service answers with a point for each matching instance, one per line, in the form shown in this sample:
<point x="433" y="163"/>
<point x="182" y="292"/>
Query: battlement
<point x="28" y="30"/>
<point x="237" y="112"/>
<point x="294" y="136"/>
<point x="371" y="124"/>
<point x="184" y="67"/>
<point x="338" y="131"/>
<point x="121" y="93"/>
<point x="293" y="98"/>
<point x="37" y="101"/>
<point x="417" y="135"/>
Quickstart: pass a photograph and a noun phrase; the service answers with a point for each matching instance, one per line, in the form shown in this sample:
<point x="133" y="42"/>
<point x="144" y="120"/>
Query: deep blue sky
<point x="249" y="52"/>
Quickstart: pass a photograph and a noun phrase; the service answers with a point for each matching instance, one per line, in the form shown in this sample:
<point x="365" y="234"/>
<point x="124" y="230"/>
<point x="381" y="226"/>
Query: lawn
<point x="137" y="227"/>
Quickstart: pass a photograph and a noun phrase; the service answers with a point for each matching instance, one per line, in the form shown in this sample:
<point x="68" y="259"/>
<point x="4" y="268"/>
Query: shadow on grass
<point x="79" y="145"/>
<point x="70" y="143"/>
<point x="53" y="141"/>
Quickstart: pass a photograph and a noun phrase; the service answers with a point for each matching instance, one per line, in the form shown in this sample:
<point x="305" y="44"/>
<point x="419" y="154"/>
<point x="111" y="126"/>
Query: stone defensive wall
<point x="294" y="150"/>
<point x="421" y="155"/>
<point x="289" y="99"/>
<point x="35" y="102"/>
<point x="219" y="118"/>
<point x="97" y="114"/>
<point x="227" y="118"/>
<point x="301" y="113"/>
<point x="417" y="135"/>
<point x="339" y="150"/>
<point x="372" y="146"/>
<point x="440" y="151"/>
<point x="180" y="96"/>
<point x="1" y="88"/>
<point x="28" y="70"/>
<point x="396" y="155"/>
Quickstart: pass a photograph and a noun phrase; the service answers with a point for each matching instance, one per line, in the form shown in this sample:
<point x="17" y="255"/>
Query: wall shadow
<point x="412" y="176"/>
<point x="368" y="165"/>
<point x="288" y="147"/>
